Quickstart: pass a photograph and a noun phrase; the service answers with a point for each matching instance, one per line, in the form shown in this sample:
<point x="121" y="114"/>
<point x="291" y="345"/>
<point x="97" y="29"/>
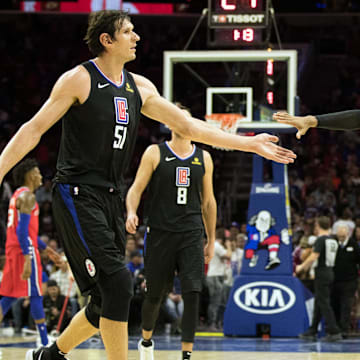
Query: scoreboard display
<point x="237" y="22"/>
<point x="240" y="13"/>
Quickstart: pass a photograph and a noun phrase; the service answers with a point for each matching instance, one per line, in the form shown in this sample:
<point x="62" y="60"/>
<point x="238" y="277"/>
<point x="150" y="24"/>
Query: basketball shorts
<point x="90" y="223"/>
<point x="167" y="252"/>
<point x="11" y="284"/>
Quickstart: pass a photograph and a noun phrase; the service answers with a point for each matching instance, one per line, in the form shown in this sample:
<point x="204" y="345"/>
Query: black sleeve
<point x="319" y="243"/>
<point x="343" y="120"/>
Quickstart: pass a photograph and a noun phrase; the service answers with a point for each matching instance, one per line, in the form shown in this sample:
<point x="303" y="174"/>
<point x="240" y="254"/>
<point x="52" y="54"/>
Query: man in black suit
<point x="345" y="277"/>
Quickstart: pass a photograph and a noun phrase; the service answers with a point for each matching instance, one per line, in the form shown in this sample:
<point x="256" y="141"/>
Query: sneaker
<point x="273" y="263"/>
<point x="42" y="353"/>
<point x="146" y="352"/>
<point x="308" y="335"/>
<point x="332" y="337"/>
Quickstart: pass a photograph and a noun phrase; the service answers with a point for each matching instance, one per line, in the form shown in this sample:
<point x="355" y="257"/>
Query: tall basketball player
<point x="22" y="274"/>
<point x="100" y="104"/>
<point x="180" y="198"/>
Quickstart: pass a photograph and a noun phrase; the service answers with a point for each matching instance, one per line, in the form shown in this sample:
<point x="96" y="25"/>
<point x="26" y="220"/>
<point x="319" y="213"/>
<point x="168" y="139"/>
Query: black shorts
<point x="166" y="252"/>
<point x="90" y="223"/>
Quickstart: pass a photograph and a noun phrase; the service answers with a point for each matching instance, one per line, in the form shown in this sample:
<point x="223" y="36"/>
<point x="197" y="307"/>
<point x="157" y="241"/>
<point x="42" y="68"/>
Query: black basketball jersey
<point x="98" y="136"/>
<point x="326" y="246"/>
<point x="174" y="201"/>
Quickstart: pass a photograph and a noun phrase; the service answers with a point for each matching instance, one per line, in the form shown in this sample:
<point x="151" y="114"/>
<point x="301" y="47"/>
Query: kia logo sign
<point x="264" y="297"/>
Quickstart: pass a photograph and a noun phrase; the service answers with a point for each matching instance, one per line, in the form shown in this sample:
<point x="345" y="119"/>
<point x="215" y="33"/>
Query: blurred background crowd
<point x="325" y="179"/>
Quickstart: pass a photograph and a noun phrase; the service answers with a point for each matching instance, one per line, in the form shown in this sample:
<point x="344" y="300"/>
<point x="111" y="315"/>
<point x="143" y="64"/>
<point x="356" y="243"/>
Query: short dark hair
<point x="22" y="169"/>
<point x="52" y="282"/>
<point x="324" y="222"/>
<point x="104" y="21"/>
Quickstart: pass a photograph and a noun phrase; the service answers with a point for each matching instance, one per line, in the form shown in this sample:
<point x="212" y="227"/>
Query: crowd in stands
<point x="325" y="180"/>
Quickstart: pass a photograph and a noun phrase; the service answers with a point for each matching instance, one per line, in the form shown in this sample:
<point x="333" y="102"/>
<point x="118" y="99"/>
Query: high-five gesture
<point x="302" y="123"/>
<point x="264" y="146"/>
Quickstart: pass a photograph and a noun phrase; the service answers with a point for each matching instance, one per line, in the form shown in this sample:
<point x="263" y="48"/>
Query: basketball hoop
<point x="226" y="122"/>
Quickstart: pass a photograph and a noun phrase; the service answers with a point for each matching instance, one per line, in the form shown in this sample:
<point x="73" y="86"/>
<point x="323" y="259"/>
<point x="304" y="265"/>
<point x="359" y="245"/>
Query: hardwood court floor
<point x="208" y="348"/>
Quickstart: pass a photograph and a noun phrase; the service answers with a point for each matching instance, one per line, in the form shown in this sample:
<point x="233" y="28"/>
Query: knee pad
<point x="36" y="307"/>
<point x="93" y="309"/>
<point x="116" y="292"/>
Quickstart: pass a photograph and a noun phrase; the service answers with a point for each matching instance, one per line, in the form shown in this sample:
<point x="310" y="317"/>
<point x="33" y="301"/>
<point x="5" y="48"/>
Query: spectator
<point x="356" y="234"/>
<point x="240" y="241"/>
<point x="234" y="230"/>
<point x="44" y="193"/>
<point x="345" y="277"/>
<point x="300" y="254"/>
<point x="21" y="312"/>
<point x="174" y="306"/>
<point x="130" y="246"/>
<point x="345" y="219"/>
<point x="136" y="263"/>
<point x="232" y="270"/>
<point x="67" y="285"/>
<point x="215" y="280"/>
<point x="53" y="304"/>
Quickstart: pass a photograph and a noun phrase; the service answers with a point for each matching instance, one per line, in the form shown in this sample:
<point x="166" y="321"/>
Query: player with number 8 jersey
<point x="181" y="203"/>
<point x="179" y="181"/>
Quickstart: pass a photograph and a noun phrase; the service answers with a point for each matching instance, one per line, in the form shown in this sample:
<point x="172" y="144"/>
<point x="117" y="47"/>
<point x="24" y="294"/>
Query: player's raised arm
<point x="148" y="164"/>
<point x="208" y="206"/>
<point x="343" y="120"/>
<point x="65" y="93"/>
<point x="160" y="109"/>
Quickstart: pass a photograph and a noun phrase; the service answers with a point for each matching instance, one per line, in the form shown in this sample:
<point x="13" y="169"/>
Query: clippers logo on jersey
<point x="121" y="107"/>
<point x="90" y="267"/>
<point x="182" y="176"/>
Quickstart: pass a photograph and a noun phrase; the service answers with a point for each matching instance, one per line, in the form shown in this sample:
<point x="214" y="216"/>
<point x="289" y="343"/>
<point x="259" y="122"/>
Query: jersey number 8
<point x="181" y="196"/>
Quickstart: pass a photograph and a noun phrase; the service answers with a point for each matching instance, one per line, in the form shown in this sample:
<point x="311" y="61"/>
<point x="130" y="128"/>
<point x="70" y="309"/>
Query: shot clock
<point x="236" y="22"/>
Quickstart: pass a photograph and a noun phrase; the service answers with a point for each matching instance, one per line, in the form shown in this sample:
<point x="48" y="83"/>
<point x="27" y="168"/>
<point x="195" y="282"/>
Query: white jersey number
<point x="10" y="218"/>
<point x="120" y="136"/>
<point x="182" y="196"/>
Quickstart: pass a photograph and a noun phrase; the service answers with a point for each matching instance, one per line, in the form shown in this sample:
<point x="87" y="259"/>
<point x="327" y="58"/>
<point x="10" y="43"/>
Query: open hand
<point x="264" y="146"/>
<point x="302" y="123"/>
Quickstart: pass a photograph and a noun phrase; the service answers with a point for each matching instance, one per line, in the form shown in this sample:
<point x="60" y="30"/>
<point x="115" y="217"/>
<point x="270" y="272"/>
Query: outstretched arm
<point x="148" y="164"/>
<point x="343" y="120"/>
<point x="208" y="205"/>
<point x="160" y="109"/>
<point x="64" y="94"/>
